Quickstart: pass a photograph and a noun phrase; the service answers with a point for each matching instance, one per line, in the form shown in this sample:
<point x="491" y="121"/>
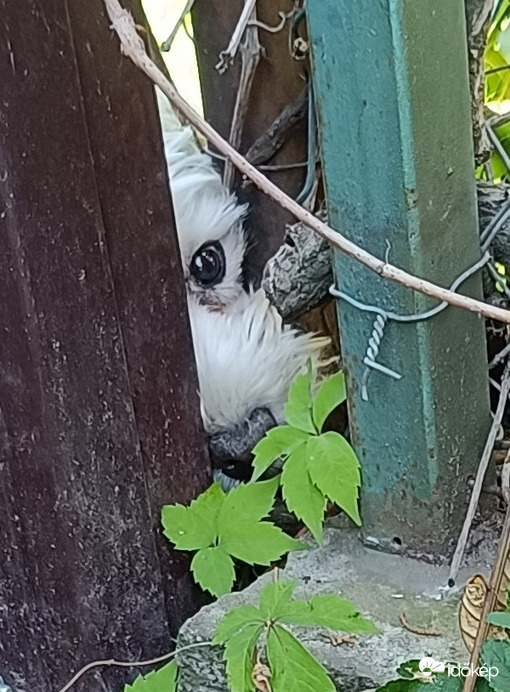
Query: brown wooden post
<point x="99" y="416"/>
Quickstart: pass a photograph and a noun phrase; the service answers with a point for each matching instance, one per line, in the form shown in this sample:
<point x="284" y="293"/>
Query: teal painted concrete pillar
<point x="391" y="86"/>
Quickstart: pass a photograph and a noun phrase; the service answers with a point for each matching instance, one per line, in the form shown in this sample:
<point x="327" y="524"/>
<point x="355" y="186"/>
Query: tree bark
<point x="478" y="18"/>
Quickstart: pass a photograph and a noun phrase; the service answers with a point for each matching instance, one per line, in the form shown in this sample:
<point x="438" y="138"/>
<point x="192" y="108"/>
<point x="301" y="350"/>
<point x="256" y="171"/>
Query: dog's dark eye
<point x="208" y="264"/>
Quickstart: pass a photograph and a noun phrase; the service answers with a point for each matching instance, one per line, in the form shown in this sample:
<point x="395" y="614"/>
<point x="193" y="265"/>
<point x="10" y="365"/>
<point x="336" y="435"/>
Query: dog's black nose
<point x="231" y="450"/>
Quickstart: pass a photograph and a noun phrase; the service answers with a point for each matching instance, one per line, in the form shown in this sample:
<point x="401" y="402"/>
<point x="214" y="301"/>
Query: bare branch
<point x="133" y="46"/>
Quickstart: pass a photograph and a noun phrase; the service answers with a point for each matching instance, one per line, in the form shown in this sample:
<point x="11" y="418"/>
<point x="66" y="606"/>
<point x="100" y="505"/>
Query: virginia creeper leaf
<point x="330" y="395"/>
<point x="497" y="654"/>
<point x="247" y="503"/>
<point x="239" y="658"/>
<point x="214" y="570"/>
<point x="184" y="528"/>
<point x="499" y="619"/>
<point x="258" y="544"/>
<point x="208" y="504"/>
<point x="293" y="668"/>
<point x="274" y="597"/>
<point x="235" y="621"/>
<point x="332" y="612"/>
<point x="156" y="681"/>
<point x="298" y="409"/>
<point x="301" y="496"/>
<point x="334" y="469"/>
<point x="278" y="442"/>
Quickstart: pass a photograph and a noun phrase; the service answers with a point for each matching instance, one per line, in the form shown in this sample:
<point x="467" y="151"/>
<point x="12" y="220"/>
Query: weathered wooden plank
<point x="98" y="406"/>
<point x="397" y="170"/>
<point x="151" y="301"/>
<point x="278" y="81"/>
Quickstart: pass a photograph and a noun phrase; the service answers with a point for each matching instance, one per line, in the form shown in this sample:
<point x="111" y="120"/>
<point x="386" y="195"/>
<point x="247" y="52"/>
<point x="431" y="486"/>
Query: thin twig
<point x="250" y="58"/>
<point x="490" y="600"/>
<point x="271" y="29"/>
<point x="482" y="469"/>
<point x="417" y="630"/>
<point x="130" y="664"/>
<point x="166" y="46"/>
<point x="227" y="56"/>
<point x="272" y="140"/>
<point x="133" y="46"/>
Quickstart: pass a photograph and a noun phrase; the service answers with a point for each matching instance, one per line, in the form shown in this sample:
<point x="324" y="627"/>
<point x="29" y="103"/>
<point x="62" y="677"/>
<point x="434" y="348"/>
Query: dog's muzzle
<point x="231" y="450"/>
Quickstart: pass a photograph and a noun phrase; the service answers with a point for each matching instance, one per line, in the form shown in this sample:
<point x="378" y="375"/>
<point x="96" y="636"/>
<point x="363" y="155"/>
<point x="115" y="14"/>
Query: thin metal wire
<point x="312" y="149"/>
<point x="383" y="317"/>
<point x="417" y="317"/>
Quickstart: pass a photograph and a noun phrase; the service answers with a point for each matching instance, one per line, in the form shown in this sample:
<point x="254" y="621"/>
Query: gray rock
<point x="382" y="586"/>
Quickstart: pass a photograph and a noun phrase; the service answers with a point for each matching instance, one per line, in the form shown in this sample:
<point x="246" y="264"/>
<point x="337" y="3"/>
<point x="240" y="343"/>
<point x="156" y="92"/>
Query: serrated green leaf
<point x="293" y="668"/>
<point x="208" y="504"/>
<point x="497" y="654"/>
<point x="257" y="544"/>
<point x="238" y="656"/>
<point x="334" y="469"/>
<point x="298" y="409"/>
<point x="277" y="443"/>
<point x="409" y="669"/>
<point x="332" y="612"/>
<point x="213" y="570"/>
<point x="235" y="621"/>
<point x="250" y="502"/>
<point x="331" y="394"/>
<point x="188" y="531"/>
<point x="162" y="680"/>
<point x="274" y="596"/>
<point x="499" y="620"/>
<point x="301" y="496"/>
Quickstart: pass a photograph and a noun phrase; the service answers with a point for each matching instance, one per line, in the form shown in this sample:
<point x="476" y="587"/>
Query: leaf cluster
<point x="162" y="680"/>
<point x="222" y="527"/>
<point x="293" y="668"/>
<point x="317" y="466"/>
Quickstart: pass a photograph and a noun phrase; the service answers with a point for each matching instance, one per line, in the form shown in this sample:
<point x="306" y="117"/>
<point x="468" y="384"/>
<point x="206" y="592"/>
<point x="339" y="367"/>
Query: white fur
<point x="246" y="357"/>
<point x="205" y="211"/>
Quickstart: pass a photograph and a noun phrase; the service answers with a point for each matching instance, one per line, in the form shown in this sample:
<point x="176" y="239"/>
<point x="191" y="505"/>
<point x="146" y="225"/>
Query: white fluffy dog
<point x="246" y="357"/>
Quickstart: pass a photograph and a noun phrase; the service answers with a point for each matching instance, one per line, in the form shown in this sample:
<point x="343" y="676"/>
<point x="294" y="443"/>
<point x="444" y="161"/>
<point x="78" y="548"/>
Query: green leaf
<point x="334" y="469"/>
<point x="274" y="597"/>
<point x="331" y="394"/>
<point x="298" y="409"/>
<point x="162" y="680"/>
<point x="247" y="503"/>
<point x="293" y="668"/>
<point x="497" y="654"/>
<point x="208" y="504"/>
<point x="193" y="527"/>
<point x="235" y="621"/>
<point x="257" y="544"/>
<point x="332" y="612"/>
<point x="277" y="443"/>
<point x="185" y="529"/>
<point x="213" y="569"/>
<point x="238" y="655"/>
<point x="499" y="619"/>
<point x="301" y="496"/>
